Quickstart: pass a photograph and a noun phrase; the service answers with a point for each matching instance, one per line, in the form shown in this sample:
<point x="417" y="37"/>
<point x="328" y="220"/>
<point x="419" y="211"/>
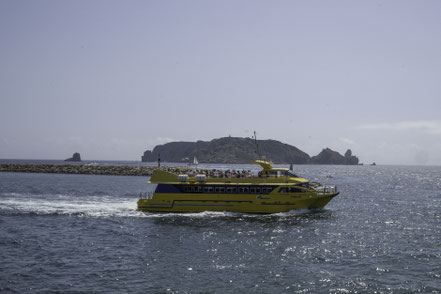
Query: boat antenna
<point x="257" y="145"/>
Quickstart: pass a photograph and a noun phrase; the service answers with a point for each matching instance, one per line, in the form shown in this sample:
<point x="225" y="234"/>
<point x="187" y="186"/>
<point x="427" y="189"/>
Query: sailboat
<point x="195" y="161"/>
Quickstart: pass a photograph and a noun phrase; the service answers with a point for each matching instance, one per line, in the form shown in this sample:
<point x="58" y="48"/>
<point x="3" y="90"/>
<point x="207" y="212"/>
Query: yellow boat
<point x="273" y="190"/>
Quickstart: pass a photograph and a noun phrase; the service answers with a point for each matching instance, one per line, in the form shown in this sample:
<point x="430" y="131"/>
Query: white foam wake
<point x="94" y="206"/>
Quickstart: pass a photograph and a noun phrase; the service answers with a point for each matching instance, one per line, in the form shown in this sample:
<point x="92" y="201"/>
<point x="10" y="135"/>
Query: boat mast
<point x="257" y="145"/>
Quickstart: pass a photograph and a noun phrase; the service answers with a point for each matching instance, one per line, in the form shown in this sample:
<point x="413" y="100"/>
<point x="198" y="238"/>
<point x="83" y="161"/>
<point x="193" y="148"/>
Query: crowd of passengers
<point x="212" y="173"/>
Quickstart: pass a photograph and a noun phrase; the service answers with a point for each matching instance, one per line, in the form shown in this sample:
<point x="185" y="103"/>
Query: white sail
<point x="195" y="160"/>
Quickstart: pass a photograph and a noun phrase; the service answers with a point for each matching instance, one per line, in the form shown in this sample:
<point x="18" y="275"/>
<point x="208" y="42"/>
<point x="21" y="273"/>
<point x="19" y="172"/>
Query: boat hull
<point x="175" y="202"/>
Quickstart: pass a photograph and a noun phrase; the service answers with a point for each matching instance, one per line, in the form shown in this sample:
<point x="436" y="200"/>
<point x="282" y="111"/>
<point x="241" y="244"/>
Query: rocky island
<point x="243" y="150"/>
<point x="328" y="156"/>
<point x="75" y="157"/>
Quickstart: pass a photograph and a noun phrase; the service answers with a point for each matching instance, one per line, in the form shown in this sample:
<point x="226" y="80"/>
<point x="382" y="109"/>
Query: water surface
<point x="82" y="234"/>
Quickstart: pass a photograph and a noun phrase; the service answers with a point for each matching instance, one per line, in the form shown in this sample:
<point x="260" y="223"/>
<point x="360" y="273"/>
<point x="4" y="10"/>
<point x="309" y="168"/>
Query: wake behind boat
<point x="273" y="190"/>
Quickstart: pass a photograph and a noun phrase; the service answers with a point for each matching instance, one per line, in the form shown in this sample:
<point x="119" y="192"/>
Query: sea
<point x="63" y="233"/>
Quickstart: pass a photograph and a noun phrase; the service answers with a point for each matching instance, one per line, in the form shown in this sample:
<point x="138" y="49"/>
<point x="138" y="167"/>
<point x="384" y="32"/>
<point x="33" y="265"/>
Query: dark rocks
<point x="75" y="157"/>
<point x="350" y="159"/>
<point x="147" y="156"/>
<point x="78" y="169"/>
<point x="328" y="156"/>
<point x="118" y="170"/>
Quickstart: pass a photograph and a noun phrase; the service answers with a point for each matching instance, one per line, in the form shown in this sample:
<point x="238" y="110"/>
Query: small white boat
<point x="195" y="161"/>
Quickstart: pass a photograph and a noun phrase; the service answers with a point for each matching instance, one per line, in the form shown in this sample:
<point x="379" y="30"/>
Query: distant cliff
<point x="328" y="156"/>
<point x="242" y="150"/>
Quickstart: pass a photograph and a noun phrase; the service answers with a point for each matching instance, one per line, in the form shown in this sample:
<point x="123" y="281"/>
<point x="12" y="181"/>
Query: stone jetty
<point x="118" y="170"/>
<point x="78" y="169"/>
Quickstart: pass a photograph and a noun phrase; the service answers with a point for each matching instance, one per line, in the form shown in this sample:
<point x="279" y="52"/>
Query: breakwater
<point x="117" y="170"/>
<point x="79" y="169"/>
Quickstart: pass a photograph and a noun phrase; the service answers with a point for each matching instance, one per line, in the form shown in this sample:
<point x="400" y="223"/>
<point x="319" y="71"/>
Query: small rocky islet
<point x="75" y="157"/>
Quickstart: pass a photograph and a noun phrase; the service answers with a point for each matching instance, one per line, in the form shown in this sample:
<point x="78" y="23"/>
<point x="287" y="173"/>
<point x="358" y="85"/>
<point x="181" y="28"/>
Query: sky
<point x="111" y="79"/>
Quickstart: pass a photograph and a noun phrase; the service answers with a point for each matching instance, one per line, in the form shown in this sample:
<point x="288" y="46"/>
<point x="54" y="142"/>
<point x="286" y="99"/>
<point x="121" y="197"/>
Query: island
<point x="243" y="150"/>
<point x="75" y="157"/>
<point x="328" y="156"/>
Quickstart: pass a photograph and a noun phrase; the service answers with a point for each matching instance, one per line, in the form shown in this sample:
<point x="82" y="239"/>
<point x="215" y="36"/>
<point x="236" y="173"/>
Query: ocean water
<point x="82" y="234"/>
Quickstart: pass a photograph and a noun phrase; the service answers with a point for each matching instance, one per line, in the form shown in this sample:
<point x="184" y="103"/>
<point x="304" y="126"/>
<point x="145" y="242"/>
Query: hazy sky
<point x="111" y="79"/>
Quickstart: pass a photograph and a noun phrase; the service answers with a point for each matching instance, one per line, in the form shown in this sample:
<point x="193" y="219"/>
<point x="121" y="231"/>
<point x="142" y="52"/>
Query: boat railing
<point x="146" y="195"/>
<point x="326" y="189"/>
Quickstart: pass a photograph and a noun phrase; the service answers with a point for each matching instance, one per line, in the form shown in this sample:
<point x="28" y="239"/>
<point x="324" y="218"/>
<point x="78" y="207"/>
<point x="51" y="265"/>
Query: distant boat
<point x="195" y="161"/>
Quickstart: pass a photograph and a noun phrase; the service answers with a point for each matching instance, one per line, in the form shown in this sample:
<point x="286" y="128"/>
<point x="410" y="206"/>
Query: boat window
<point x="283" y="190"/>
<point x="187" y="189"/>
<point x="290" y="174"/>
<point x="234" y="189"/>
<point x="296" y="190"/>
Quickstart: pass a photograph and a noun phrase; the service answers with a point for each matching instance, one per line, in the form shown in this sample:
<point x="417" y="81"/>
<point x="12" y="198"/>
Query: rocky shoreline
<point x="116" y="170"/>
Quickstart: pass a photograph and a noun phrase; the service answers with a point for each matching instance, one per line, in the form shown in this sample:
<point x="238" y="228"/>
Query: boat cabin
<point x="269" y="171"/>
